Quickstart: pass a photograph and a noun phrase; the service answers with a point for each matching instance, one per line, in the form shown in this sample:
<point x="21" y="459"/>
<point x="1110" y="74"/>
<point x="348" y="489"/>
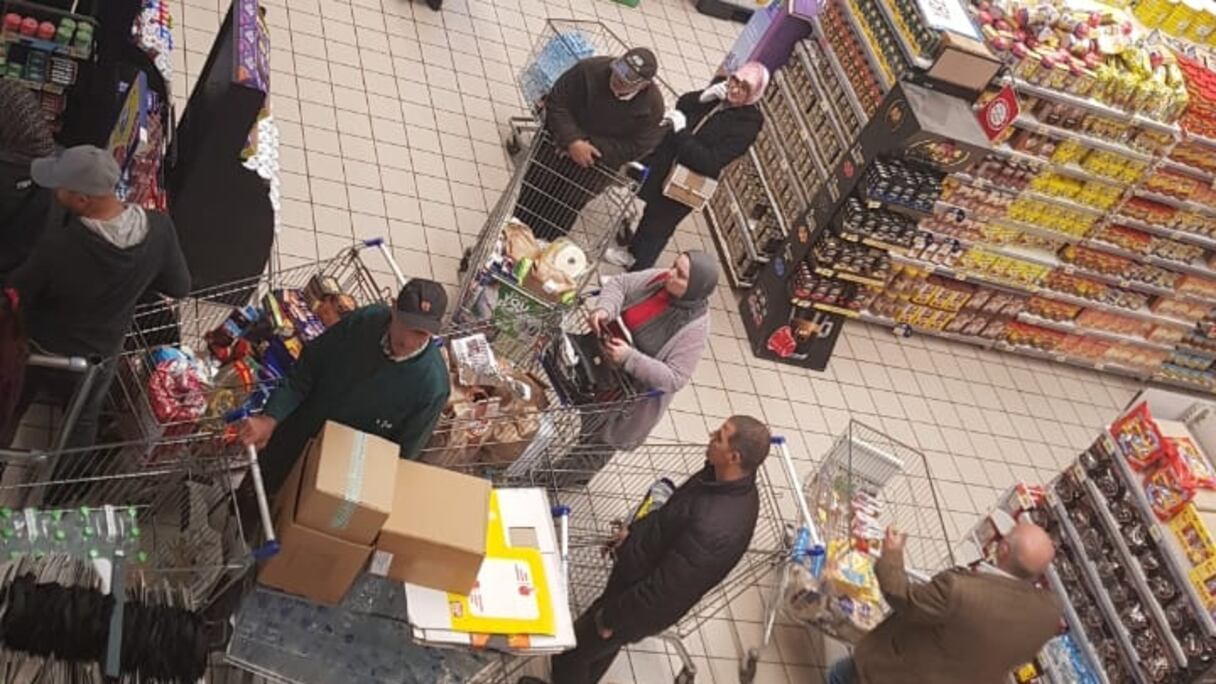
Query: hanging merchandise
<point x="152" y="31"/>
<point x="43" y="49"/>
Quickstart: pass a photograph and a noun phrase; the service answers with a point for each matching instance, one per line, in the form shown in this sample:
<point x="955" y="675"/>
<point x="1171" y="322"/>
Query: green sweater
<point x="344" y="376"/>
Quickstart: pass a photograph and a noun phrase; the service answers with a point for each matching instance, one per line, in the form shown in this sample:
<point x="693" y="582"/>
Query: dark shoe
<point x="530" y="680"/>
<point x="434" y="4"/>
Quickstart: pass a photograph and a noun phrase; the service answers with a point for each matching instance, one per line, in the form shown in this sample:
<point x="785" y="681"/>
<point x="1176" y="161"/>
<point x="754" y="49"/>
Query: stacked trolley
<point x="866" y="483"/>
<point x="543" y="239"/>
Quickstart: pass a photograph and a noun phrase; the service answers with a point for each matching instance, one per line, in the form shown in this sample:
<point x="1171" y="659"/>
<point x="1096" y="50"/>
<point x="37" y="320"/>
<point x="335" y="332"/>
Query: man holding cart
<point x="669" y="558"/>
<point x="377" y="370"/>
<point x="601" y="114"/>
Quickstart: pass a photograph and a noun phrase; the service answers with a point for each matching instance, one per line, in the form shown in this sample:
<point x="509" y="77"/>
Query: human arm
<point x="619" y="288"/>
<point x="709" y="155"/>
<point x="559" y="105"/>
<point x="415" y="431"/>
<point x="671" y="374"/>
<point x="634" y="141"/>
<point x="173" y="280"/>
<point x="928" y="603"/>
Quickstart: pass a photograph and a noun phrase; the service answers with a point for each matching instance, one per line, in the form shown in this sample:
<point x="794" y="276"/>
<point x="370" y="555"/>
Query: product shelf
<point x="803" y="132"/>
<point x="863" y="39"/>
<point x="1029" y="122"/>
<point x="782" y="221"/>
<point x="1095" y="106"/>
<point x="1175" y="560"/>
<point x="836" y="67"/>
<point x="1186" y="205"/>
<point x="1139" y="581"/>
<point x="1094" y="584"/>
<point x="1073" y="328"/>
<point x="1075" y="629"/>
<point x="724" y="248"/>
<point x="1175" y="165"/>
<point x="911" y="53"/>
<point x="844" y="136"/>
<point x="8" y="37"/>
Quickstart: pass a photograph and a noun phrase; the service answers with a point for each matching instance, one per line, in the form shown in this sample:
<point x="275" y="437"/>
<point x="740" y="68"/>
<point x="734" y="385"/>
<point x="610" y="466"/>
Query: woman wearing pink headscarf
<point x="708" y="129"/>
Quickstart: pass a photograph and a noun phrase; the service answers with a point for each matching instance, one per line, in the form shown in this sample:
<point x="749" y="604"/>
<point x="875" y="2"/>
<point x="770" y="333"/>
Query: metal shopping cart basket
<point x="866" y="483"/>
<point x="548" y="195"/>
<point x="291" y="640"/>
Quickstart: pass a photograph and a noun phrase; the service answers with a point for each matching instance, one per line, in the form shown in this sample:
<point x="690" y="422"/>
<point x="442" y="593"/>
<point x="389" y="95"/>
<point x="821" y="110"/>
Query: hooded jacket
<point x="79" y="291"/>
<point x="25" y="210"/>
<point x="676" y="554"/>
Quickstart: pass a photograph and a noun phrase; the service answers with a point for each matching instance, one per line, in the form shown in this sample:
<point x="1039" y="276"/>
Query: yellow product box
<point x="1203" y="578"/>
<point x="1193" y="529"/>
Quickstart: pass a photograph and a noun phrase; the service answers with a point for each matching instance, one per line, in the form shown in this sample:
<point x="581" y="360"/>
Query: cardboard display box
<point x="437" y="530"/>
<point x="347" y="488"/>
<point x="310" y="563"/>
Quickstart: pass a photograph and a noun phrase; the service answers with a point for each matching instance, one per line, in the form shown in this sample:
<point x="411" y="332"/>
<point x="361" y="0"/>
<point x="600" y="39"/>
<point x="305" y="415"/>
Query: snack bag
<point x="1139" y="439"/>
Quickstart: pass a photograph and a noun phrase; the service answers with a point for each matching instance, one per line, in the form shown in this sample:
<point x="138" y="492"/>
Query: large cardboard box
<point x="310" y="563"/>
<point x="347" y="491"/>
<point x="437" y="530"/>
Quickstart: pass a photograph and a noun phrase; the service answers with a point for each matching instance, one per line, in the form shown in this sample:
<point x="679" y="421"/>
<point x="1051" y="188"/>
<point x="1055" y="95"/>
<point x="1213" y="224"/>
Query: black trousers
<point x="590" y="659"/>
<point x="555" y="190"/>
<point x="658" y="224"/>
<point x="59" y="386"/>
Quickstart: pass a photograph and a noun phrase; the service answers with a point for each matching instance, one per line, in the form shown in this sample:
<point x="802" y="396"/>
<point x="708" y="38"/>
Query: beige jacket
<point x="961" y="627"/>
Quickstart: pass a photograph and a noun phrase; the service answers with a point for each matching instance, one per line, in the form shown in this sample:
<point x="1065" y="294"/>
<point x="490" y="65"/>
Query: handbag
<point x="686" y="186"/>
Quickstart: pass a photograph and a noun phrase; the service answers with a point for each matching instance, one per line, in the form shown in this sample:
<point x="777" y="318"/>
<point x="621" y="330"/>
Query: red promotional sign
<point x="999" y="113"/>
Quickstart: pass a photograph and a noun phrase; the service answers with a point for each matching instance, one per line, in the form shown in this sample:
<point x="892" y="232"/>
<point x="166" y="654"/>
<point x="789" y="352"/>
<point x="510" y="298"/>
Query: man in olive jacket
<point x="963" y="626"/>
<point x="670" y="558"/>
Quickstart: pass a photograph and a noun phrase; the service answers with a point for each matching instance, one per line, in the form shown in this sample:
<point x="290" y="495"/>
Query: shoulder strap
<point x="717" y="108"/>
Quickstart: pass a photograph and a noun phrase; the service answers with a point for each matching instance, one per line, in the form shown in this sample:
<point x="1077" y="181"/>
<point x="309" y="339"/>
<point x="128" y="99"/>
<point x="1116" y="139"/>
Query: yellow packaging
<point x="1203" y="578"/>
<point x="1192" y="528"/>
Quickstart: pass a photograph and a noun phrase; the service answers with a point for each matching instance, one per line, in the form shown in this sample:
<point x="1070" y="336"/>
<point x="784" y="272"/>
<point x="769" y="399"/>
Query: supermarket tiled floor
<point x="392" y="118"/>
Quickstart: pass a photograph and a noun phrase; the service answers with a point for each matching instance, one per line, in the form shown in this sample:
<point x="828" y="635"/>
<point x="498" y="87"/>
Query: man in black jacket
<point x="601" y="114"/>
<point x="82" y="282"/>
<point x="670" y="558"/>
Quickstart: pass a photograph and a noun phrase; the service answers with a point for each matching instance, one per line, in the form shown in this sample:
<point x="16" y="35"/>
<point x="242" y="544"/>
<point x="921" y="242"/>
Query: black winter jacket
<point x="25" y="212"/>
<point x="675" y="555"/>
<point x="724" y="138"/>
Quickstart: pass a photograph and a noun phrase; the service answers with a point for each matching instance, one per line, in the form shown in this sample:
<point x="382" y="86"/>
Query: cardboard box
<point x="437" y="530"/>
<point x="347" y="490"/>
<point x="964" y="62"/>
<point x="310" y="563"/>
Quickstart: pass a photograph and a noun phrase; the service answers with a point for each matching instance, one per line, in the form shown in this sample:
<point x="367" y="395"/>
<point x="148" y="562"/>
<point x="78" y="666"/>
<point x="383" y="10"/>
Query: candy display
<point x="902" y="184"/>
<point x="41" y="48"/>
<point x="845" y="46"/>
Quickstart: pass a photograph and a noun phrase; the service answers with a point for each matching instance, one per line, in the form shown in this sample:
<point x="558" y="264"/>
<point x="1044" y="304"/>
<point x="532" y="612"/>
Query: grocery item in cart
<point x="562" y="51"/>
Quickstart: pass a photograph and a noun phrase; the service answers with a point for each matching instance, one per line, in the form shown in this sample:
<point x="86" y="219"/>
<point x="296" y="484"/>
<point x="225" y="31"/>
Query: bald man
<point x="963" y="626"/>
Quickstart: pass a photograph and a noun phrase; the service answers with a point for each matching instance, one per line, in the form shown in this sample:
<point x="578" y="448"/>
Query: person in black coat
<point x="669" y="559"/>
<point x="709" y="129"/>
<point x="25" y="208"/>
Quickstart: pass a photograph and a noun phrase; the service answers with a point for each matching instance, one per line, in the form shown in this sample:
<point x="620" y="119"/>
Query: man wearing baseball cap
<point x="82" y="281"/>
<point x="377" y="370"/>
<point x="602" y="112"/>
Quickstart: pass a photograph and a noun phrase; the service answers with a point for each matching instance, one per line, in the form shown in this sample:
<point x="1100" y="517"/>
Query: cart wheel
<point x="465" y="258"/>
<point x="686" y="676"/>
<point x="513" y="144"/>
<point x="747" y="668"/>
<point x="902" y="330"/>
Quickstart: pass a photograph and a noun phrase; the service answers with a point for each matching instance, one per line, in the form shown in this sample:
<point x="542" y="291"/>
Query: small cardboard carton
<point x="437" y="530"/>
<point x="310" y="563"/>
<point x="347" y="490"/>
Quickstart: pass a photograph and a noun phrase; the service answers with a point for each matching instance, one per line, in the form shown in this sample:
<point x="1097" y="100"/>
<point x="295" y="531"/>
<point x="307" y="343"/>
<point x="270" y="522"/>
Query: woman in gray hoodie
<point x="666" y="311"/>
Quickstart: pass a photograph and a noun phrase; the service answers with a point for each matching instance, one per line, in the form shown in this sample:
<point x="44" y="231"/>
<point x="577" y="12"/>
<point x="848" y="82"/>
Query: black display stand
<point x="912" y="121"/>
<point x="224" y="218"/>
<point x="723" y="9"/>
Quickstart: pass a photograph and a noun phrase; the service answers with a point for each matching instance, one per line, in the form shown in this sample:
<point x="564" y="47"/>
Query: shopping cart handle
<point x="267" y="550"/>
<point x="776" y="440"/>
<point x="373" y="242"/>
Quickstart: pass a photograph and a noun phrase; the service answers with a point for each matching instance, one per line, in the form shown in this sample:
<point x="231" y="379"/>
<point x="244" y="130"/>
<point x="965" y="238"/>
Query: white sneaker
<point x="619" y="256"/>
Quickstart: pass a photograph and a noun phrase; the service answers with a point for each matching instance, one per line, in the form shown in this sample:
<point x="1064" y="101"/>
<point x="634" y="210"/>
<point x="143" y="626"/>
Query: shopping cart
<point x="548" y="193"/>
<point x="866" y="483"/>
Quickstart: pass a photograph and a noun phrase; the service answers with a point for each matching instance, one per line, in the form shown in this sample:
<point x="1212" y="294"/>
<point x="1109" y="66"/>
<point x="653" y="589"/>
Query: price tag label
<point x="381" y="561"/>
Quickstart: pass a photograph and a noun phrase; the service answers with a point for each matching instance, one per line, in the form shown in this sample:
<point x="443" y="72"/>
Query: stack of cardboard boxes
<point x="350" y="495"/>
<point x="481" y="567"/>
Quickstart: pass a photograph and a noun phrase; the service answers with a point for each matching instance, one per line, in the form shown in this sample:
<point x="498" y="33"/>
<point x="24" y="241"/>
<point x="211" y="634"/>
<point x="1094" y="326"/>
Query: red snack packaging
<point x="1139" y="438"/>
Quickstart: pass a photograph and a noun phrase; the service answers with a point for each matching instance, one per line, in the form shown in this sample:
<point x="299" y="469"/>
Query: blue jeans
<point x="843" y="671"/>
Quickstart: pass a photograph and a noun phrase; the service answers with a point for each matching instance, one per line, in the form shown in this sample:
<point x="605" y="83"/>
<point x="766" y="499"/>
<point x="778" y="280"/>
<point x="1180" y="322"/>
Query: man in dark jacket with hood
<point x="670" y="558"/>
<point x="25" y="207"/>
<point x="81" y="284"/>
<point x="601" y="114"/>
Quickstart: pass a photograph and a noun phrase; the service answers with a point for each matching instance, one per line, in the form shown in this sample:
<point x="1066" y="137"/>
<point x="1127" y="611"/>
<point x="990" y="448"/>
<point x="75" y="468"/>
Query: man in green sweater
<point x="377" y="371"/>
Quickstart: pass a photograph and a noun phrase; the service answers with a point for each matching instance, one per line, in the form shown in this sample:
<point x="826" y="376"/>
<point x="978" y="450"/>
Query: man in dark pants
<point x="670" y="558"/>
<point x="376" y="371"/>
<point x="601" y="114"/>
<point x="81" y="283"/>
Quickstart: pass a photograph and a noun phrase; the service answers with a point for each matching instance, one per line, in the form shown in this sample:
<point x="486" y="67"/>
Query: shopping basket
<point x="866" y="483"/>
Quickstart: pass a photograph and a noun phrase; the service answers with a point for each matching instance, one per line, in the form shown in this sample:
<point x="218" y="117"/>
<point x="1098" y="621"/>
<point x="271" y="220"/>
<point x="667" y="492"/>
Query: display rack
<point x="44" y="49"/>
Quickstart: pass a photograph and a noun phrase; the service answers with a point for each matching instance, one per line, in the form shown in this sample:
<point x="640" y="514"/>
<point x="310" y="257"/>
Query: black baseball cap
<point x="637" y="66"/>
<point x="421" y="305"/>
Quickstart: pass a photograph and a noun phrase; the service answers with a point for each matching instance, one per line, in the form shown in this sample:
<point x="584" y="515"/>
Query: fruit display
<point x="1093" y="54"/>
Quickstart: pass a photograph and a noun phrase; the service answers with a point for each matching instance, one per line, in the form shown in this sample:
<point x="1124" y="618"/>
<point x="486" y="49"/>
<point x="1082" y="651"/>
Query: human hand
<point x="677" y="120"/>
<point x="604" y="632"/>
<point x="619" y="533"/>
<point x="716" y="91"/>
<point x="583" y="153"/>
<point x="256" y="431"/>
<point x="893" y="541"/>
<point x="597" y="320"/>
<point x="617" y="350"/>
